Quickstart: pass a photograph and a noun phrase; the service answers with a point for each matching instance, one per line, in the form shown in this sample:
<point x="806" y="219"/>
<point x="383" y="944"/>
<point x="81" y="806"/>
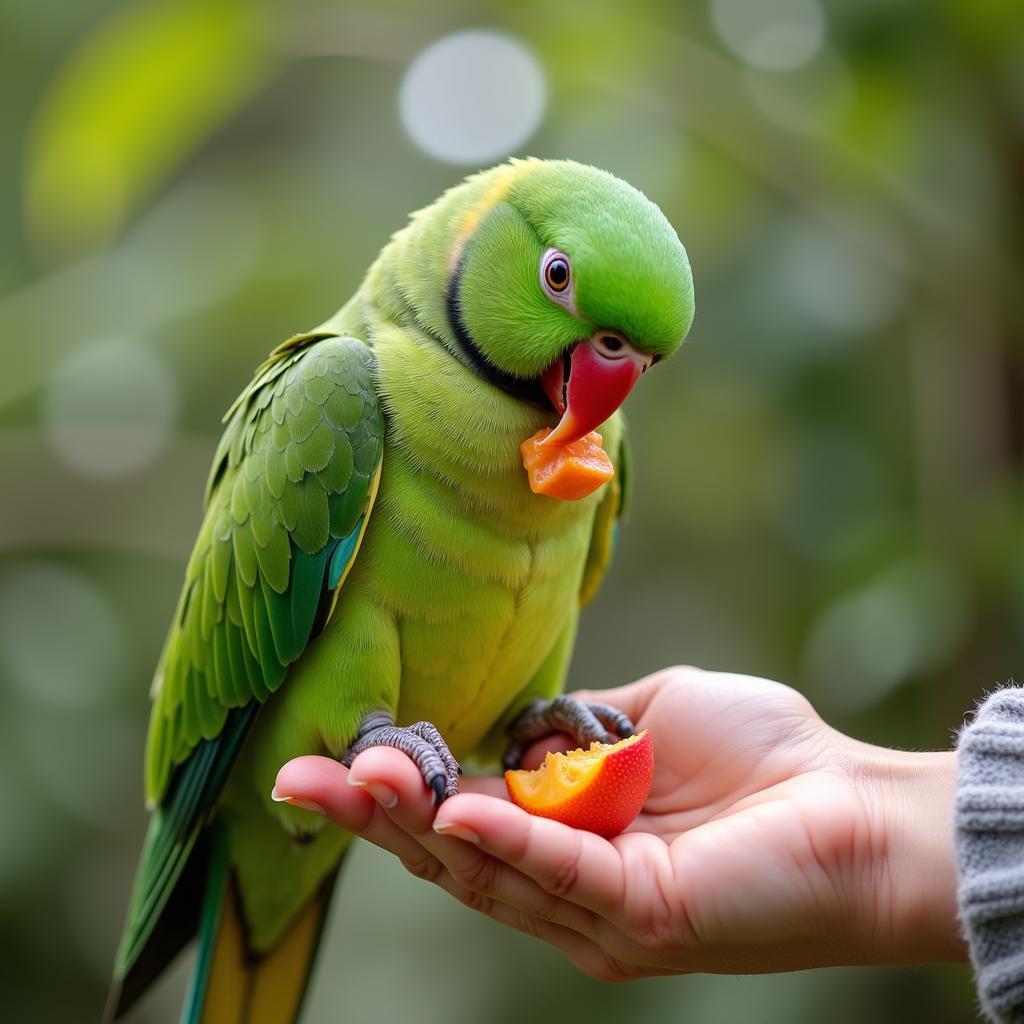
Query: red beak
<point x="598" y="381"/>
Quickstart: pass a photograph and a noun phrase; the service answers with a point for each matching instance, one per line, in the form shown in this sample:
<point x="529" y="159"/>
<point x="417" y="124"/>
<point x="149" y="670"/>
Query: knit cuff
<point x="990" y="850"/>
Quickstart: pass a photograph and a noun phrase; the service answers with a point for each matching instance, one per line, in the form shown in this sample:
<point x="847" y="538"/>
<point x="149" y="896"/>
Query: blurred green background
<point x="828" y="486"/>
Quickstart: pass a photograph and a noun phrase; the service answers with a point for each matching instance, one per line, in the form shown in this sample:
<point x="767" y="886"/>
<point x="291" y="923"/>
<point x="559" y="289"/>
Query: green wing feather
<point x="287" y="500"/>
<point x="290" y="484"/>
<point x="611" y="513"/>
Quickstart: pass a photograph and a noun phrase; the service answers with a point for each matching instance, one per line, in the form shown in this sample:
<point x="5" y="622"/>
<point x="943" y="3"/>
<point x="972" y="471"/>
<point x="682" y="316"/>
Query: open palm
<point x="769" y="841"/>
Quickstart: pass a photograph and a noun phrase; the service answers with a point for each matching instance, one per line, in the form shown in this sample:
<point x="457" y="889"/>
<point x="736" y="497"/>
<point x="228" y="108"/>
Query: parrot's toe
<point x="586" y="723"/>
<point x="421" y="742"/>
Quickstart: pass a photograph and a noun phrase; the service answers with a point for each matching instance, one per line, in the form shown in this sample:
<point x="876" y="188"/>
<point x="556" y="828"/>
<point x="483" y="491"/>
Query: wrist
<point x="911" y="884"/>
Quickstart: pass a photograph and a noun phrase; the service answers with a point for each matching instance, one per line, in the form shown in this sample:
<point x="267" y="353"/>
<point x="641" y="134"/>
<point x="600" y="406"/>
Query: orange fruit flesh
<point x="570" y="471"/>
<point x="562" y="774"/>
<point x="601" y="789"/>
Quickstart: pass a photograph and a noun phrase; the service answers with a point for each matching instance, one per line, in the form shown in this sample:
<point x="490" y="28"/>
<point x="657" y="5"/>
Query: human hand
<point x="769" y="841"/>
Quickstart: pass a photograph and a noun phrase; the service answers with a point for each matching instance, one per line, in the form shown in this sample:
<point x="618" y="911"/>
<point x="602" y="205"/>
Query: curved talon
<point x="513" y="757"/>
<point x="421" y="742"/>
<point x="585" y="722"/>
<point x="439" y="786"/>
<point x="614" y="720"/>
<point x="429" y="732"/>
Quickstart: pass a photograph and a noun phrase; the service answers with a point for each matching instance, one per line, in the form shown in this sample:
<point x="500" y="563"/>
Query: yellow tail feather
<point x="268" y="989"/>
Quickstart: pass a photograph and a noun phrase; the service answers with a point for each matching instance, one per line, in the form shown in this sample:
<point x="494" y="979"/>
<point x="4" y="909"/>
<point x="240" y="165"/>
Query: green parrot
<point x="373" y="566"/>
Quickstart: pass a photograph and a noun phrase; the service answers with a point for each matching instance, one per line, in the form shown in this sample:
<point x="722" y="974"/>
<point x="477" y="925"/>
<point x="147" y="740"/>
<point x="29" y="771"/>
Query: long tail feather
<point x="164" y="908"/>
<point x="233" y="986"/>
<point x="177" y="928"/>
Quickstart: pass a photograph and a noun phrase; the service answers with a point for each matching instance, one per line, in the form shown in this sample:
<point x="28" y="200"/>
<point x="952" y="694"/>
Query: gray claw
<point x="585" y="722"/>
<point x="428" y="731"/>
<point x="420" y="742"/>
<point x="439" y="786"/>
<point x="614" y="720"/>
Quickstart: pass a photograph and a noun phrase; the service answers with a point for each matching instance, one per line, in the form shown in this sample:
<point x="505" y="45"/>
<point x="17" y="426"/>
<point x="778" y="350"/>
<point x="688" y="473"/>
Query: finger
<point x="489" y="785"/>
<point x="475" y="871"/>
<point x="578" y="867"/>
<point x="412" y="812"/>
<point x="324" y="782"/>
<point x="585" y="954"/>
<point x="529" y="907"/>
<point x="397" y="784"/>
<point x="320" y="782"/>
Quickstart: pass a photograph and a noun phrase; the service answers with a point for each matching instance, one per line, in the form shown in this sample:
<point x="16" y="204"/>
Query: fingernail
<point x="383" y="794"/>
<point x="458" y="831"/>
<point x="306" y="805"/>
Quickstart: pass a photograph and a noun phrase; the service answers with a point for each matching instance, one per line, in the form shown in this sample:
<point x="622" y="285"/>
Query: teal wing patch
<point x="611" y="513"/>
<point x="287" y="501"/>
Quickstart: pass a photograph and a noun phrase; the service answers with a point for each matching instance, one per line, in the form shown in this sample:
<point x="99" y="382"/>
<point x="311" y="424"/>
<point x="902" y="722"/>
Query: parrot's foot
<point x="420" y="742"/>
<point x="586" y="723"/>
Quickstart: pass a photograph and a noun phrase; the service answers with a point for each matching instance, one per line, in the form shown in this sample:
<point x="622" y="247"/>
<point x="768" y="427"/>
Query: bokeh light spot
<point x="776" y="35"/>
<point x="814" y="98"/>
<point x="110" y="408"/>
<point x="61" y="644"/>
<point x="837" y="284"/>
<point x="473" y="97"/>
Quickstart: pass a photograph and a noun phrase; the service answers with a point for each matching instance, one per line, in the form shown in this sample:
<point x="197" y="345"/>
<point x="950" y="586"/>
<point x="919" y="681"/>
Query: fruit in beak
<point x="589" y="383"/>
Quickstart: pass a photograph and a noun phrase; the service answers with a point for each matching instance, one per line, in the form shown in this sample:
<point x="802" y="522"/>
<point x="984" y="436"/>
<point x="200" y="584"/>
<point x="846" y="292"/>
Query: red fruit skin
<point x="612" y="800"/>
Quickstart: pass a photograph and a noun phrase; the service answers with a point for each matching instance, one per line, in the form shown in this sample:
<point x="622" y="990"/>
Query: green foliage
<point x="140" y="94"/>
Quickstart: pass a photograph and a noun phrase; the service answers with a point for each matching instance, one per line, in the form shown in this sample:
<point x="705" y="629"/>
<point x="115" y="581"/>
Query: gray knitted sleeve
<point x="990" y="850"/>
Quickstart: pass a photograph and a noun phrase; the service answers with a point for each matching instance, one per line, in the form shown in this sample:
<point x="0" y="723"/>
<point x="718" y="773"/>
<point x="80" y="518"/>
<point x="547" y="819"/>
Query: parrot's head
<point x="565" y="285"/>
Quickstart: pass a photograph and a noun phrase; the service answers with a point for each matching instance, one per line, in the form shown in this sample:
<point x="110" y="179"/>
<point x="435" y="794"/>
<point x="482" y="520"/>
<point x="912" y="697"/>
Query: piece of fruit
<point x="601" y="789"/>
<point x="570" y="471"/>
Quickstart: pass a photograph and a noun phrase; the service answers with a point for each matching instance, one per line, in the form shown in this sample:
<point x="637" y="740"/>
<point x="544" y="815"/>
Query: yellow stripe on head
<point x="497" y="188"/>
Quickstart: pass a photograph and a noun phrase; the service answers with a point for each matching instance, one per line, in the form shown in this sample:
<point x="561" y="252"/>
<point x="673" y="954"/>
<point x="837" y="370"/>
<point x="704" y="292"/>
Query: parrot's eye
<point x="556" y="280"/>
<point x="555" y="274"/>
